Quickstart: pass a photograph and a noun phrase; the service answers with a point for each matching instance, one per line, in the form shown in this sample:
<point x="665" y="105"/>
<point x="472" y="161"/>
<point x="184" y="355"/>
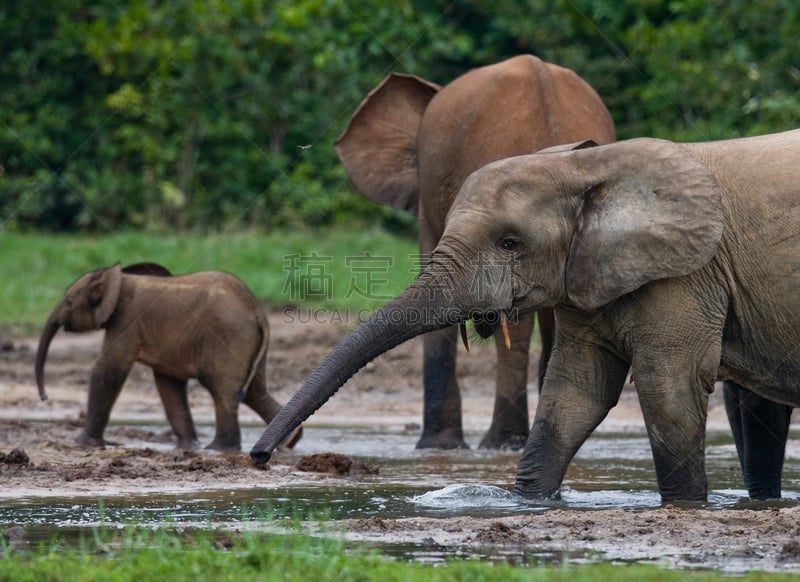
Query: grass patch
<point x="217" y="555"/>
<point x="327" y="268"/>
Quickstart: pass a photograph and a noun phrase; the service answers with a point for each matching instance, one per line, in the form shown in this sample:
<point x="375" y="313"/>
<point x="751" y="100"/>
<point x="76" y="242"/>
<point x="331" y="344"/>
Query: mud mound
<point x="336" y="464"/>
<point x="16" y="456"/>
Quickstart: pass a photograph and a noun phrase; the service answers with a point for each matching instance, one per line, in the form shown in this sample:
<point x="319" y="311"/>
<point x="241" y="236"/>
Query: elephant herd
<point x="678" y="264"/>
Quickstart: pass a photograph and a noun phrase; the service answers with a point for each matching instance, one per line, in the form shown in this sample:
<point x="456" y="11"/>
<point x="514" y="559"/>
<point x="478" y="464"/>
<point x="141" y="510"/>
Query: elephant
<point x="760" y="428"/>
<point x="678" y="261"/>
<point x="205" y="325"/>
<point x="411" y="144"/>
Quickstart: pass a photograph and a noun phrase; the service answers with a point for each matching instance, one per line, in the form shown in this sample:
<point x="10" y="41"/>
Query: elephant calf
<point x="200" y="325"/>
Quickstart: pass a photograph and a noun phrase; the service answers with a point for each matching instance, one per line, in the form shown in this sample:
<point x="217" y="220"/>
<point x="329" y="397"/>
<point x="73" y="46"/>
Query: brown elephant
<point x="201" y="325"/>
<point x="680" y="261"/>
<point x="411" y="144"/>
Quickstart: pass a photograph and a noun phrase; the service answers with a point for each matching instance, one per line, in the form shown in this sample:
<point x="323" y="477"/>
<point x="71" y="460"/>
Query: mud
<point x="336" y="464"/>
<point x="39" y="458"/>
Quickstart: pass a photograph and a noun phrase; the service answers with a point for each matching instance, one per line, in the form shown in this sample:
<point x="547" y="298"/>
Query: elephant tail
<point x="261" y="354"/>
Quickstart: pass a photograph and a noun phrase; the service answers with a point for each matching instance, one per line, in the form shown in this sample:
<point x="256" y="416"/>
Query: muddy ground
<point x="38" y="457"/>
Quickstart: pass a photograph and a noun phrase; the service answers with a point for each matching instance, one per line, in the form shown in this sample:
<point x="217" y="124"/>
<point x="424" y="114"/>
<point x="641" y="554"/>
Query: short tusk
<point x="504" y="327"/>
<point x="463" y="328"/>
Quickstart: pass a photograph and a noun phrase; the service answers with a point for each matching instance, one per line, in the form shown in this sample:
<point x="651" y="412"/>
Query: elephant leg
<point x="547" y="334"/>
<point x="261" y="401"/>
<point x="583" y="383"/>
<point x="674" y="412"/>
<point x="442" y="428"/>
<point x="510" y="420"/>
<point x="675" y="334"/>
<point x="731" y="396"/>
<point x="673" y="393"/>
<point x="105" y="384"/>
<point x="174" y="397"/>
<point x="227" y="436"/>
<point x="760" y="428"/>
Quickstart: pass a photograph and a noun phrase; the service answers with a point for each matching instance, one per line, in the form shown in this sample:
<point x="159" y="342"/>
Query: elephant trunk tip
<point x="260" y="457"/>
<point x="40" y="378"/>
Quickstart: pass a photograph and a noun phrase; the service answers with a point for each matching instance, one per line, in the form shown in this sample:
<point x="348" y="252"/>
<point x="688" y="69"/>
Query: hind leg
<point x="172" y="392"/>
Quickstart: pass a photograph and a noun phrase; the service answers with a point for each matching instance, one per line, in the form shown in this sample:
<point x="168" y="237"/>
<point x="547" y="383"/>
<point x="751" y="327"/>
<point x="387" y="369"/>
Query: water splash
<point x="468" y="497"/>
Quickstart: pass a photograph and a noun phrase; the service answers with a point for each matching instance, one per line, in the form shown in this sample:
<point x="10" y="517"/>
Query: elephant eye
<point x="508" y="243"/>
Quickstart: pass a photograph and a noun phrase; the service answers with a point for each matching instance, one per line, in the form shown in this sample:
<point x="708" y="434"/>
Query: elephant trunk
<point x="49" y="331"/>
<point x="404" y="318"/>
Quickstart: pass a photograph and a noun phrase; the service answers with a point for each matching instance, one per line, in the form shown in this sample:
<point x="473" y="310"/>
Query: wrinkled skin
<point x="202" y="325"/>
<point x="411" y="144"/>
<point x="680" y="261"/>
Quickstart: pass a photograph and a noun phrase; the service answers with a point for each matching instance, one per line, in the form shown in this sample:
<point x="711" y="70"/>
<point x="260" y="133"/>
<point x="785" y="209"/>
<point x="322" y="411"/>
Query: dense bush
<point x="198" y="114"/>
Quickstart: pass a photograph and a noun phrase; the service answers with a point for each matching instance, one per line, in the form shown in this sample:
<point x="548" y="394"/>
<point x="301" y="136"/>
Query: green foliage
<point x="197" y="115"/>
<point x="45" y="265"/>
<point x="196" y="556"/>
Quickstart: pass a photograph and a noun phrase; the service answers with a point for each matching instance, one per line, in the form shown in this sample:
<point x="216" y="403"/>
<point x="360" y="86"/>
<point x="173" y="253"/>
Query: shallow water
<point x="611" y="471"/>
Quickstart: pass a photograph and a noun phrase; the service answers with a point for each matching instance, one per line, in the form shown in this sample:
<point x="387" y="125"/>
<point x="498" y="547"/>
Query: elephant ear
<point x="102" y="294"/>
<point x="649" y="211"/>
<point x="379" y="147"/>
<point x="150" y="269"/>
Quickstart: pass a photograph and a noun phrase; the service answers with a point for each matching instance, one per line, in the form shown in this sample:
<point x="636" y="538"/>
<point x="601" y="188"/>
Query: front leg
<point x="676" y="338"/>
<point x="105" y="383"/>
<point x="175" y="399"/>
<point x="584" y="381"/>
<point x="674" y="400"/>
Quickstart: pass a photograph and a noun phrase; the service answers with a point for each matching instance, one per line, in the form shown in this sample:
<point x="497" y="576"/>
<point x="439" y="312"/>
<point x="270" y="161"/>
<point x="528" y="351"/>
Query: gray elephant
<point x="680" y="261"/>
<point x="411" y="144"/>
<point x="202" y="325"/>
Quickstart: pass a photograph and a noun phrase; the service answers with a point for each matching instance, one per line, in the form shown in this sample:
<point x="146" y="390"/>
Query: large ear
<point x="649" y="211"/>
<point x="379" y="147"/>
<point x="102" y="293"/>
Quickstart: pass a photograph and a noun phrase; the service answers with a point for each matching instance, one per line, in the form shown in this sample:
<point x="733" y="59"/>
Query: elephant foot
<point x="504" y="441"/>
<point x="187" y="444"/>
<point x="90" y="441"/>
<point x="445" y="439"/>
<point x="224" y="447"/>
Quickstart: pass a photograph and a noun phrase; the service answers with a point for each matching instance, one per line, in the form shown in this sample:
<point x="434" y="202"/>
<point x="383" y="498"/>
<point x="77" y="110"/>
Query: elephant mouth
<point x="486" y="323"/>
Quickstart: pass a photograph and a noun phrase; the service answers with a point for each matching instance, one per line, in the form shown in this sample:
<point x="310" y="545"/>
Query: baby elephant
<point x="200" y="325"/>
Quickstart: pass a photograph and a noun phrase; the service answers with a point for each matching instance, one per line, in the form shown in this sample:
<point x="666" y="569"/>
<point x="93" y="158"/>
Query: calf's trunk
<point x="49" y="331"/>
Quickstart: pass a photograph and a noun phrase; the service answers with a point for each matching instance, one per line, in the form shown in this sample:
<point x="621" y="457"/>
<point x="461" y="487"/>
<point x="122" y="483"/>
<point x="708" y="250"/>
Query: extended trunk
<point x="393" y="324"/>
<point x="49" y="331"/>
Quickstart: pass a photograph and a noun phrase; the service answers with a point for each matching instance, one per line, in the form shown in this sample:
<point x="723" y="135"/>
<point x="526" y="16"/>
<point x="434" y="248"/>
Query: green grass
<point x="37" y="268"/>
<point x="218" y="556"/>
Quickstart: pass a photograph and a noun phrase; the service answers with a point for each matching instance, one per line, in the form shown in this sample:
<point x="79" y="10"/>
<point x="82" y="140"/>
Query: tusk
<point x="463" y="328"/>
<point x="504" y="327"/>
